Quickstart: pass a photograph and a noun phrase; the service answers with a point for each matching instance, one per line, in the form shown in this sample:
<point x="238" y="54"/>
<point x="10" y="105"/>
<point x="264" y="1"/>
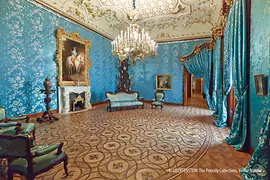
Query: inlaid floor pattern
<point x="143" y="144"/>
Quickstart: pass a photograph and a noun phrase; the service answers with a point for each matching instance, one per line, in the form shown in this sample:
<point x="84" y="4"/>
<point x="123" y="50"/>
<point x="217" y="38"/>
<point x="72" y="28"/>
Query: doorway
<point x="193" y="91"/>
<point x="196" y="87"/>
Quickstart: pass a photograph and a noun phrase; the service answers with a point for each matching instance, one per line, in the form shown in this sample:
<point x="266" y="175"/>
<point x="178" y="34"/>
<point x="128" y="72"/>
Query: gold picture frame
<point x="260" y="84"/>
<point x="72" y="59"/>
<point x="163" y="81"/>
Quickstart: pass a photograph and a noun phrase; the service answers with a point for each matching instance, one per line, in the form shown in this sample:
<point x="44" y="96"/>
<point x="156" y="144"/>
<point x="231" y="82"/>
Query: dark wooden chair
<point x="159" y="99"/>
<point x="30" y="161"/>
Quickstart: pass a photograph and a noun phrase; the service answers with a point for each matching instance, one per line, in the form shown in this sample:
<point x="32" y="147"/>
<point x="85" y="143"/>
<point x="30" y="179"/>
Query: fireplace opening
<point x="77" y="101"/>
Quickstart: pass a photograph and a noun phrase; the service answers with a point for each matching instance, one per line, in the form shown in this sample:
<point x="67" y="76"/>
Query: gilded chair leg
<point x="65" y="166"/>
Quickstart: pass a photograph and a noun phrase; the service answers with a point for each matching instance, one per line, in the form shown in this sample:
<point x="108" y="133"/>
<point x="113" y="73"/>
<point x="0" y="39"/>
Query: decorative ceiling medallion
<point x="163" y="19"/>
<point x="147" y="9"/>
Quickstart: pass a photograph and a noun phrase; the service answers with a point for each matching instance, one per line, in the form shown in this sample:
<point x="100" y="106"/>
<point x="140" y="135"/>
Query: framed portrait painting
<point x="163" y="82"/>
<point x="260" y="84"/>
<point x="73" y="59"/>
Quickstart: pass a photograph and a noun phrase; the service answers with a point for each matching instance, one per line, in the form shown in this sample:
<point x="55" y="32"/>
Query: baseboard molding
<point x="145" y="101"/>
<point x="56" y="110"/>
<point x="99" y="103"/>
<point x="166" y="103"/>
<point x="41" y="113"/>
<point x="173" y="104"/>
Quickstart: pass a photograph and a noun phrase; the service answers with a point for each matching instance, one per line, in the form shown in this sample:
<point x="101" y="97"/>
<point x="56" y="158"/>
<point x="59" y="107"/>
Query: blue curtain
<point x="237" y="51"/>
<point x="195" y="65"/>
<point x="258" y="165"/>
<point x="217" y="76"/>
<point x="227" y="74"/>
<point x="200" y="67"/>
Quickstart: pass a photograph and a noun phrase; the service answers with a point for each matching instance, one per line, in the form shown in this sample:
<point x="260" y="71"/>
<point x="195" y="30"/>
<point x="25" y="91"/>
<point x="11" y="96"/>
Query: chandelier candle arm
<point x="134" y="43"/>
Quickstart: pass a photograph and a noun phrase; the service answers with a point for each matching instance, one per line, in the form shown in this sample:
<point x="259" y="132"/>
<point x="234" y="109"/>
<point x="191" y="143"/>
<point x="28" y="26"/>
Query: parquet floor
<point x="178" y="142"/>
<point x="220" y="161"/>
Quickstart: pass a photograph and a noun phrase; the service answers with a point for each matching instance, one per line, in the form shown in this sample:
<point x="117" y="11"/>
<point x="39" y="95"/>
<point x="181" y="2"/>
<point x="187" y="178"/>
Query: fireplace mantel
<point x="63" y="97"/>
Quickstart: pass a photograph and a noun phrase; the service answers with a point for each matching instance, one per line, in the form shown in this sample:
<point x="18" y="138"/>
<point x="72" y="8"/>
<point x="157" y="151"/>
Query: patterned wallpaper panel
<point x="143" y="74"/>
<point x="28" y="53"/>
<point x="259" y="64"/>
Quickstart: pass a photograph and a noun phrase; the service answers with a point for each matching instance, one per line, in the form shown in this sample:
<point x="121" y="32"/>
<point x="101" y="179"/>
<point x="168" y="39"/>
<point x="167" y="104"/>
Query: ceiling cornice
<point x="184" y="38"/>
<point x="164" y="29"/>
<point x="73" y="19"/>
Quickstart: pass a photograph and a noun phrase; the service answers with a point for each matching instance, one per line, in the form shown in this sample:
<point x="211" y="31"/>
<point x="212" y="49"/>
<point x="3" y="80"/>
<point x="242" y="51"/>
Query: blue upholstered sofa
<point x="123" y="99"/>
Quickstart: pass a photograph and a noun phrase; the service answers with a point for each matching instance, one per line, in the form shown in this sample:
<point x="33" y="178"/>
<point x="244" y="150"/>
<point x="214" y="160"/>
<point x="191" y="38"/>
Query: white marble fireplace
<point x="64" y="97"/>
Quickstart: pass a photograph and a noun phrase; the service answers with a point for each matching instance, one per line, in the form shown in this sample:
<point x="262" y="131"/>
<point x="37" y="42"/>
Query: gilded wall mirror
<point x="73" y="59"/>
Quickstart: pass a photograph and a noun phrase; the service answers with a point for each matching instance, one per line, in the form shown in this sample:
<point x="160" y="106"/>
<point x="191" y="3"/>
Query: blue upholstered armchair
<point x="159" y="99"/>
<point x="11" y="127"/>
<point x="30" y="161"/>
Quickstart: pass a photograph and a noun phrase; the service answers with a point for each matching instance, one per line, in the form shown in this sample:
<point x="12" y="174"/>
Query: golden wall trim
<point x="217" y="31"/>
<point x="183" y="38"/>
<point x="73" y="19"/>
<point x="87" y="62"/>
<point x="196" y="50"/>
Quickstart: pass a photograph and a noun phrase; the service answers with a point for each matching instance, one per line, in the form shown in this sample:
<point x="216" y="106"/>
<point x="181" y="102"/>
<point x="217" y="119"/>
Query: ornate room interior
<point x="134" y="89"/>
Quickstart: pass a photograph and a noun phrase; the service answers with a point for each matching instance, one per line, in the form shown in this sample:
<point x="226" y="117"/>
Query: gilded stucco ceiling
<point x="166" y="20"/>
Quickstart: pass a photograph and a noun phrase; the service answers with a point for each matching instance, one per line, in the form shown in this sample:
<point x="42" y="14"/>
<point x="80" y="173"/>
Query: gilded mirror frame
<point x="76" y="39"/>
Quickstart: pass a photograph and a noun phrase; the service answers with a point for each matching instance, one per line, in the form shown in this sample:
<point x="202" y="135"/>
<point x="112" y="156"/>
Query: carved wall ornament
<point x="72" y="59"/>
<point x="217" y="31"/>
<point x="196" y="50"/>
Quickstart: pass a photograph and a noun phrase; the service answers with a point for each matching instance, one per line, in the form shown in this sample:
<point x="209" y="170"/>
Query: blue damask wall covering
<point x="259" y="64"/>
<point x="28" y="53"/>
<point x="166" y="62"/>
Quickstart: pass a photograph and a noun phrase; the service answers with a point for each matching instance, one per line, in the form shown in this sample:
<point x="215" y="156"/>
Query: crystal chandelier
<point x="134" y="43"/>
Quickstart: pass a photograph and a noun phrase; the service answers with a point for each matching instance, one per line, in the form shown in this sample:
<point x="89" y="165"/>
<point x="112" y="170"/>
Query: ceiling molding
<point x="180" y="5"/>
<point x="165" y="20"/>
<point x="184" y="39"/>
<point x="73" y="19"/>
